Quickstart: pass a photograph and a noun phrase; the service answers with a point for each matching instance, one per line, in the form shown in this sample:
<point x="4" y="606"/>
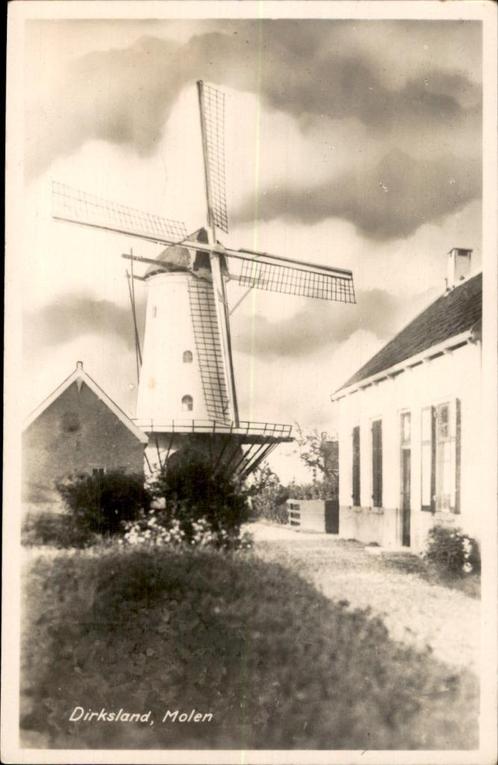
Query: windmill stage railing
<point x="268" y="430"/>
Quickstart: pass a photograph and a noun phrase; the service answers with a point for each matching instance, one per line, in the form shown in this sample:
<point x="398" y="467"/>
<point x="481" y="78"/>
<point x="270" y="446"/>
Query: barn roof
<point x="451" y="314"/>
<point x="80" y="376"/>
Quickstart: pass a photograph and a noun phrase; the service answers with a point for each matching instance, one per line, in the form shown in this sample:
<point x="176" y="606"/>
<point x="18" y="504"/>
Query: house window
<point x="187" y="403"/>
<point x="377" y="463"/>
<point x="356" y="467"/>
<point x="187" y="357"/>
<point x="441" y="436"/>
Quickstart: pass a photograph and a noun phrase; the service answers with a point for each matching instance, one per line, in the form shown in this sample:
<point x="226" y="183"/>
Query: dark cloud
<point x="72" y="316"/>
<point x="387" y="201"/>
<point x="321" y="326"/>
<point x="308" y="69"/>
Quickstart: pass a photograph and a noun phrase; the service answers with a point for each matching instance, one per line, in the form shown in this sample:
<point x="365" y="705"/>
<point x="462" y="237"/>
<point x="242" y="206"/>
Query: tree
<point x="320" y="453"/>
<point x="268" y="496"/>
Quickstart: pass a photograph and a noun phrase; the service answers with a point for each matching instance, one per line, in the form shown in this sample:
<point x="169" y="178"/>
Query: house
<point x="77" y="429"/>
<point x="408" y="424"/>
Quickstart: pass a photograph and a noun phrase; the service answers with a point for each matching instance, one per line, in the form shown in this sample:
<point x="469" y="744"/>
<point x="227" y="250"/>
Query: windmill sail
<point x="276" y="274"/>
<point x="208" y="347"/>
<point x="274" y="277"/>
<point x="77" y="206"/>
<point x="212" y="116"/>
<point x="212" y="110"/>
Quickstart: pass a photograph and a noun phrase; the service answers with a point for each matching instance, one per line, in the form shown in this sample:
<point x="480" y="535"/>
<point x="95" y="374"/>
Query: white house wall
<point x="454" y="375"/>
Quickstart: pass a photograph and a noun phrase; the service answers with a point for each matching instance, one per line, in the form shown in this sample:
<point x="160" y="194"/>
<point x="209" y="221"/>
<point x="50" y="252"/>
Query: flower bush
<point x="452" y="551"/>
<point x="159" y="529"/>
<point x="192" y="494"/>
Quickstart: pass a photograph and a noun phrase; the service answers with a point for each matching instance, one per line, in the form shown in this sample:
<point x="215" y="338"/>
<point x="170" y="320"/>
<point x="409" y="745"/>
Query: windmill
<point x="186" y="393"/>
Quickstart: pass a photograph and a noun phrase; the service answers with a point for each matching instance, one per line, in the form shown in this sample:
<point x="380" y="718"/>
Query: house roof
<point x="451" y="314"/>
<point x="80" y="376"/>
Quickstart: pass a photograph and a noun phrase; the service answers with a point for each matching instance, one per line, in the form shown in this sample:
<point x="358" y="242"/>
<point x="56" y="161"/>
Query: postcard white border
<point x="19" y="13"/>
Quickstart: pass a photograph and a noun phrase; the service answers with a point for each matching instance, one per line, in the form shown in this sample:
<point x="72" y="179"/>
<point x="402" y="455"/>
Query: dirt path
<point x="414" y="610"/>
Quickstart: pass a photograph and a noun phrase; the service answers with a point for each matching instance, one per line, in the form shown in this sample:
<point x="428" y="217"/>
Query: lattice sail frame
<point x="208" y="347"/>
<point x="212" y="102"/>
<point x="293" y="280"/>
<point x="76" y="206"/>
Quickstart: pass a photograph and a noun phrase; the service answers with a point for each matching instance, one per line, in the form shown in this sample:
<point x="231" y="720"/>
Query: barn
<point x="77" y="429"/>
<point x="408" y="424"/>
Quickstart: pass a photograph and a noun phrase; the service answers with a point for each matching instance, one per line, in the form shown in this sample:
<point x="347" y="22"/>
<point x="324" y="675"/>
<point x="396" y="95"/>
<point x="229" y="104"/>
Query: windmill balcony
<point x="249" y="430"/>
<point x="235" y="451"/>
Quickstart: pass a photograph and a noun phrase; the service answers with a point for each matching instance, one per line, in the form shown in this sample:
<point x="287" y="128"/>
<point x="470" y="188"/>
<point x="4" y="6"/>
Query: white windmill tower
<point x="187" y="395"/>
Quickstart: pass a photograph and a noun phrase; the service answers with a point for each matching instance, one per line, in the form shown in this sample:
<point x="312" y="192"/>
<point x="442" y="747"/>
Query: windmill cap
<point x="176" y="257"/>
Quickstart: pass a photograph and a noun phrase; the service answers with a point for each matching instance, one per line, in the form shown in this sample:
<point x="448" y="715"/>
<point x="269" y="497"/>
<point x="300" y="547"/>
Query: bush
<point x="99" y="504"/>
<point x="278" y="665"/>
<point x="452" y="551"/>
<point x="55" y="530"/>
<point x="315" y="490"/>
<point x="191" y="493"/>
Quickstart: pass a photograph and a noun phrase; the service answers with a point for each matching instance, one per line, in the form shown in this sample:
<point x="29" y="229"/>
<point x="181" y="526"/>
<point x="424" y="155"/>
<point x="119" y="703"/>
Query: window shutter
<point x="356" y="467"/>
<point x="456" y="445"/>
<point x="377" y="463"/>
<point x="428" y="459"/>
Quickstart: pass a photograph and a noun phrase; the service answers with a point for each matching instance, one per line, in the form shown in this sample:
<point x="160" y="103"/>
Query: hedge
<point x="278" y="664"/>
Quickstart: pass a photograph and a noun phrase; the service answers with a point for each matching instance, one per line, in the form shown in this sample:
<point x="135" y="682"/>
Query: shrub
<point x="156" y="528"/>
<point x="452" y="551"/>
<point x="55" y="530"/>
<point x="315" y="490"/>
<point x="192" y="492"/>
<point x="279" y="665"/>
<point x="100" y="503"/>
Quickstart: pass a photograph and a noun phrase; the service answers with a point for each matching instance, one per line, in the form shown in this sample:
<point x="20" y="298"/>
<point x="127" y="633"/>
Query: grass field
<point x="279" y="664"/>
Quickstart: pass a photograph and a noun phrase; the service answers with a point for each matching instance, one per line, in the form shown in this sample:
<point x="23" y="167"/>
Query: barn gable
<point x="77" y="429"/>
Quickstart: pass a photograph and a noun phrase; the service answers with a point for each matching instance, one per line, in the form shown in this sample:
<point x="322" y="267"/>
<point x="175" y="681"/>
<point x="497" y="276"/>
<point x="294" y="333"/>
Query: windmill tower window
<point x="187" y="357"/>
<point x="187" y="403"/>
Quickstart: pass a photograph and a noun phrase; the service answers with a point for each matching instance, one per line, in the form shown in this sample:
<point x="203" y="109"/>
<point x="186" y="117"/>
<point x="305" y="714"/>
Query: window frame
<point x="435" y="443"/>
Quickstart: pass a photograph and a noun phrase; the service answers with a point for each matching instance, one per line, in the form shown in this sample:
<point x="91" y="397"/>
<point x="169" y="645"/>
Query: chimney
<point x="459" y="261"/>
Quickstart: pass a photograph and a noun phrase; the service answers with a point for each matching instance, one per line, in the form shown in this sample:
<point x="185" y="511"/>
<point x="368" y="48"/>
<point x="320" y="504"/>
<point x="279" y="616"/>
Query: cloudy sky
<point x="350" y="143"/>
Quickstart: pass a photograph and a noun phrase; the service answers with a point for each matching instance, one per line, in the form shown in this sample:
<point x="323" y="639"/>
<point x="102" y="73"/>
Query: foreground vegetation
<point x="278" y="664"/>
